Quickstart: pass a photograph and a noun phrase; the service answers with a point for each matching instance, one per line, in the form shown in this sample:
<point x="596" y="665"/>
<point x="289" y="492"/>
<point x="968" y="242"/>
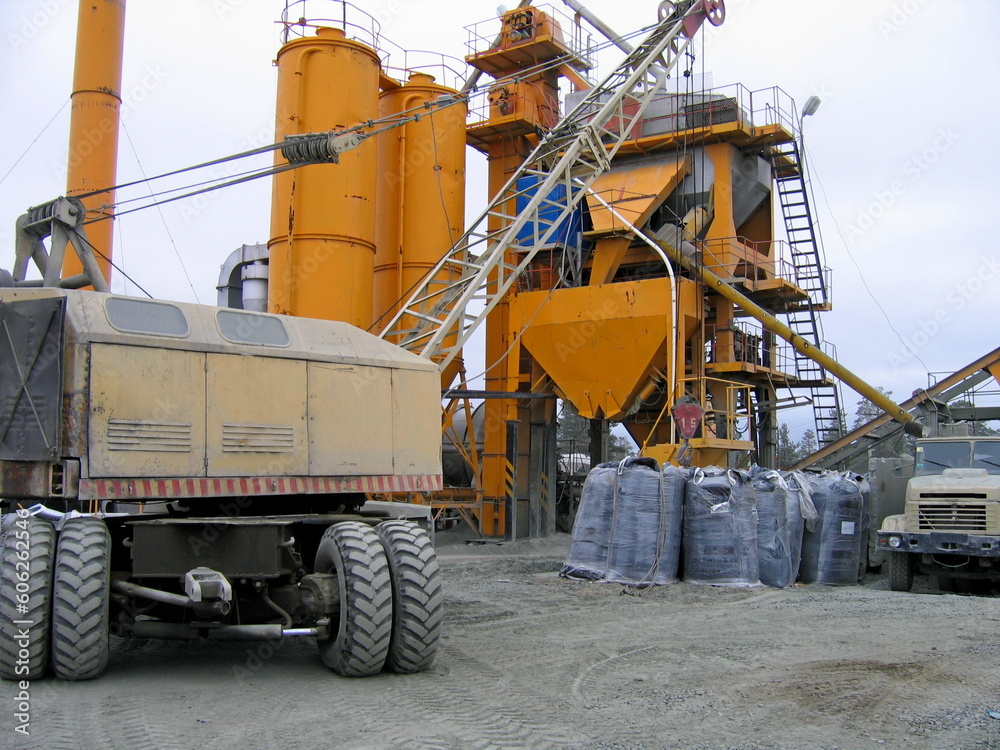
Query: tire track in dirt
<point x="491" y="712"/>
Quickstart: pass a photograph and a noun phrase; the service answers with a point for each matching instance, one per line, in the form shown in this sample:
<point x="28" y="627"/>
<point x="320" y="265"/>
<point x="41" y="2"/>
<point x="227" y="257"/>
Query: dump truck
<point x="951" y="524"/>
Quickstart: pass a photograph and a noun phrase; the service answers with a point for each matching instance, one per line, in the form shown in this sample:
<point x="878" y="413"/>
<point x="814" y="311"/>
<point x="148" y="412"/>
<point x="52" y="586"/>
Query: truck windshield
<point x="986" y="455"/>
<point x="933" y="458"/>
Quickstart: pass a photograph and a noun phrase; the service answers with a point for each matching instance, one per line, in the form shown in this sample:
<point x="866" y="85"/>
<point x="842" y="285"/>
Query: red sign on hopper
<point x="688" y="418"/>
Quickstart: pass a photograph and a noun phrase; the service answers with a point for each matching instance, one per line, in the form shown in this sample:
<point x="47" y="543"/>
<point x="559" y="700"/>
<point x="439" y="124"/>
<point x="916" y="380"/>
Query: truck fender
<point x="894" y="523"/>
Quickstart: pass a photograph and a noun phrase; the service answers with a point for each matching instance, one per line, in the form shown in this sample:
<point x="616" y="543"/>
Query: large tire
<point x="26" y="555"/>
<point x="359" y="640"/>
<point x="417" y="598"/>
<point x="901" y="565"/>
<point x="80" y="600"/>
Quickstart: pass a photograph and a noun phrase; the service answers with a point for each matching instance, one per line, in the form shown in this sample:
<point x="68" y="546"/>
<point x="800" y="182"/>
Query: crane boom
<point x="435" y="321"/>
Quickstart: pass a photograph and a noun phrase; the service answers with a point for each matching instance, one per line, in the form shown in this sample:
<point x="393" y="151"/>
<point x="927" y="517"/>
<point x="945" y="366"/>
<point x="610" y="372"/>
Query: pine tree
<point x="867" y="411"/>
<point x="788" y="450"/>
<point x="839" y="427"/>
<point x="807" y="446"/>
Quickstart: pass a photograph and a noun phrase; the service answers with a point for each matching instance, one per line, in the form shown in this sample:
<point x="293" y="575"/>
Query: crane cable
<point x="305" y="142"/>
<point x="315" y="148"/>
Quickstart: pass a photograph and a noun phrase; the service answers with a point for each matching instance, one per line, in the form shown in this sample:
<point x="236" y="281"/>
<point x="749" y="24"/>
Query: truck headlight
<point x="895" y="542"/>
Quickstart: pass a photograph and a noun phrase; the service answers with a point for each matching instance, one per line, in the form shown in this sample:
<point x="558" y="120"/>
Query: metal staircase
<point x="474" y="276"/>
<point x="794" y="194"/>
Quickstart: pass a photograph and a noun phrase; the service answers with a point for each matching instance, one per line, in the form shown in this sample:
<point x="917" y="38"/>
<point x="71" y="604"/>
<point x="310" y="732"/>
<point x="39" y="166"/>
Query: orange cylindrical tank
<point x="322" y="246"/>
<point x="420" y="195"/>
<point x="93" y="129"/>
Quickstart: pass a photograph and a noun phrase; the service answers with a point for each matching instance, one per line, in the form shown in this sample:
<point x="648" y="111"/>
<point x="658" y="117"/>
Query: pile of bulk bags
<point x="628" y="526"/>
<point x="640" y="525"/>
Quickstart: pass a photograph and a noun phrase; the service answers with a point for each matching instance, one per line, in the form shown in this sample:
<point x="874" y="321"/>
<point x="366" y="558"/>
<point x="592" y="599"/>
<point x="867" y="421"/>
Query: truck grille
<point x="257" y="438"/>
<point x="951" y="517"/>
<point x="157" y="437"/>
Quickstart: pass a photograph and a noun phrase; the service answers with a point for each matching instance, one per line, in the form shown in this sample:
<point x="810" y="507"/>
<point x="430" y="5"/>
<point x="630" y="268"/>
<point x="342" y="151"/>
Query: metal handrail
<point x="482" y="35"/>
<point x="358" y="24"/>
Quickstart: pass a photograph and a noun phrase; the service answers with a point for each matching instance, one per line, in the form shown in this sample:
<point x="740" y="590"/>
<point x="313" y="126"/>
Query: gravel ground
<point x="530" y="660"/>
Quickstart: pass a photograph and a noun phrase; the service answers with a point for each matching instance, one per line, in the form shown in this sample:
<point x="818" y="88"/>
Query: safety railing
<point x="677" y="111"/>
<point x="401" y="63"/>
<point x="488" y="34"/>
<point x="750" y="344"/>
<point x="522" y="98"/>
<point x="756" y="260"/>
<point x="732" y="419"/>
<point x="302" y="18"/>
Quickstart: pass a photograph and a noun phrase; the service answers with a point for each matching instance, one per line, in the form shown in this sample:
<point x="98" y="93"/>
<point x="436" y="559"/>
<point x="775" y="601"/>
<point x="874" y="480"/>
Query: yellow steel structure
<point x="641" y="330"/>
<point x="522" y="104"/>
<point x="420" y="193"/>
<point x="619" y="332"/>
<point x="93" y="136"/>
<point x="322" y="246"/>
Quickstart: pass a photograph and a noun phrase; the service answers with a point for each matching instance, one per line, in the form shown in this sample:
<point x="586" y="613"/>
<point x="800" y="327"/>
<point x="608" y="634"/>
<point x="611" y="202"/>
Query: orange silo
<point x="420" y="195"/>
<point x="322" y="246"/>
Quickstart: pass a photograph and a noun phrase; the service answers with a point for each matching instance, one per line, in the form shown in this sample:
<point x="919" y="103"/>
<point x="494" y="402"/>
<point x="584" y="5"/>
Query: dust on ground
<point x="530" y="660"/>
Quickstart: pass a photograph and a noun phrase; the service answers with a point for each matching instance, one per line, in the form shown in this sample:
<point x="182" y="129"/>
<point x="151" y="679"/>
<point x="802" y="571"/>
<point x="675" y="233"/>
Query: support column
<point x="536" y="480"/>
<point x="551" y="469"/>
<point x="510" y="481"/>
<point x="598" y="442"/>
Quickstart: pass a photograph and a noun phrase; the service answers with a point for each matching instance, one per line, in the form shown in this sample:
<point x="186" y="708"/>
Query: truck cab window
<point x="987" y="456"/>
<point x="933" y="458"/>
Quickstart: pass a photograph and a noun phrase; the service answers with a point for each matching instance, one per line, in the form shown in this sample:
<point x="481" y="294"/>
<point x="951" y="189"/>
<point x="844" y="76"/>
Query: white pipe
<point x="598" y="24"/>
<point x="672" y="371"/>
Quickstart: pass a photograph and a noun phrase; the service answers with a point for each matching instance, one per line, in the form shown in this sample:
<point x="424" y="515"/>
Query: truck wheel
<point x="26" y="554"/>
<point x="80" y="600"/>
<point x="417" y="598"/>
<point x="901" y="565"/>
<point x="352" y="551"/>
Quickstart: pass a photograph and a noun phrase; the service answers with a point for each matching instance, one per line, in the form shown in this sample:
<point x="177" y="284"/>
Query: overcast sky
<point x="901" y="145"/>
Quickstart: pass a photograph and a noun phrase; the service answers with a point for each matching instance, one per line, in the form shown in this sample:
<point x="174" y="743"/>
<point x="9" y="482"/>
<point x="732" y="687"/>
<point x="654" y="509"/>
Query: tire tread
<point x="42" y="542"/>
<point x="361" y="643"/>
<point x="81" y="599"/>
<point x="418" y="597"/>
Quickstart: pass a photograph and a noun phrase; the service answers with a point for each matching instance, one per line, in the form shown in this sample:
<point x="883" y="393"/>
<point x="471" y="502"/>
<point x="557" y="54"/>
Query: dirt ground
<point x="530" y="660"/>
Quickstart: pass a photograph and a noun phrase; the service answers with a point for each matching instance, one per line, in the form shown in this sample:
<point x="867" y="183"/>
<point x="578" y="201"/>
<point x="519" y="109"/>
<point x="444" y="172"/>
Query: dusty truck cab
<point x="207" y="468"/>
<point x="951" y="524"/>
